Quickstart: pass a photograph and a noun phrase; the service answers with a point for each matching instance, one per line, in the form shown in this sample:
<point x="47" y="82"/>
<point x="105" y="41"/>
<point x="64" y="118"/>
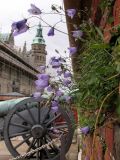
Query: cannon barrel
<point x="6" y="106"/>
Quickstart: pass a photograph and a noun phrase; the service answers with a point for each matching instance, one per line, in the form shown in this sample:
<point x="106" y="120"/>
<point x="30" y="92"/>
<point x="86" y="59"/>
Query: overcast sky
<point x="14" y="10"/>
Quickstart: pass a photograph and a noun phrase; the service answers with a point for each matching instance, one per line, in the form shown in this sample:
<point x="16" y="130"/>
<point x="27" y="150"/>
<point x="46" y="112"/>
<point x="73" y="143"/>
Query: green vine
<point x="107" y="4"/>
<point x="97" y="65"/>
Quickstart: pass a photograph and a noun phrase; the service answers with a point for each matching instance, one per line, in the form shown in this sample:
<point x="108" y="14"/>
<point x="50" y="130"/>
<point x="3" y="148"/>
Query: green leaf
<point x="110" y="20"/>
<point x="118" y="68"/>
<point x="118" y="106"/>
<point x="99" y="46"/>
<point x="99" y="32"/>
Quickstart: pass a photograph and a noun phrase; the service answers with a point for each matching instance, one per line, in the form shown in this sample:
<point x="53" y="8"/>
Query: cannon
<point x="34" y="124"/>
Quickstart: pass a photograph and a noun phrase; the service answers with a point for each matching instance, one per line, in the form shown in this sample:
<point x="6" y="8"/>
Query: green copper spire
<point x="39" y="37"/>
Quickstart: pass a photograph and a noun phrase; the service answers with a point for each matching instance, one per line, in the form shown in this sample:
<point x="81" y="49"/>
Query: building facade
<point x="18" y="68"/>
<point x="38" y="48"/>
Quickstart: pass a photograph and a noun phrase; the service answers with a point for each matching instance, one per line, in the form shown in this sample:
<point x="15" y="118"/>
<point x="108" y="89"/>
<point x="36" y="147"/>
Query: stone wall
<point x="13" y="79"/>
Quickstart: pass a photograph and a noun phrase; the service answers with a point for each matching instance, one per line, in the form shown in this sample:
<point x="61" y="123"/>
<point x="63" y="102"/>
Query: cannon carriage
<point x="34" y="123"/>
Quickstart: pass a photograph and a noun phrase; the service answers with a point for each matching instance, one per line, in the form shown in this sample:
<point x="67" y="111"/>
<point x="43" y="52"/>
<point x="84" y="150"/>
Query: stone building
<point x="38" y="48"/>
<point x="18" y="68"/>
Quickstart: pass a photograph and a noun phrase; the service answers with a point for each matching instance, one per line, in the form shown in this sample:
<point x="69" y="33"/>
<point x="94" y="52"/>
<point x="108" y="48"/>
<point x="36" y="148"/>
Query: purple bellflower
<point x="56" y="131"/>
<point x="66" y="82"/>
<point x="37" y="95"/>
<point x="57" y="58"/>
<point x="51" y="32"/>
<point x="85" y="130"/>
<point x="67" y="99"/>
<point x="52" y="58"/>
<point x="54" y="103"/>
<point x="54" y="109"/>
<point x="41" y="84"/>
<point x="59" y="72"/>
<point x="34" y="10"/>
<point x="77" y="34"/>
<point x="55" y="62"/>
<point x="72" y="50"/>
<point x="71" y="12"/>
<point x="49" y="89"/>
<point x="59" y="93"/>
<point x="67" y="74"/>
<point x="43" y="81"/>
<point x="42" y="68"/>
<point x="54" y="106"/>
<point x="17" y="32"/>
<point x="19" y="27"/>
<point x="44" y="77"/>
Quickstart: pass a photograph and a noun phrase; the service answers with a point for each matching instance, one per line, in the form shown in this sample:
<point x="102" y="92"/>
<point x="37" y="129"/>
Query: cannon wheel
<point x="40" y="128"/>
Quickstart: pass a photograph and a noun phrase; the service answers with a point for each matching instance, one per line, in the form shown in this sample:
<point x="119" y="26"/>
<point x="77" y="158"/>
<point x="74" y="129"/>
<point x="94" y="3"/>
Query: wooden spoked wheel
<point x="31" y="124"/>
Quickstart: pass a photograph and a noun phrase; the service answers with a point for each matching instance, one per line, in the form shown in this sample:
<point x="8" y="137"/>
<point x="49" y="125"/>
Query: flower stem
<point x="97" y="118"/>
<point x="49" y="24"/>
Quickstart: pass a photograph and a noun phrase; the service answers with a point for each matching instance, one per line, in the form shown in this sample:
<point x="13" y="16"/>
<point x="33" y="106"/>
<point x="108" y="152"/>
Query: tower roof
<point x="39" y="37"/>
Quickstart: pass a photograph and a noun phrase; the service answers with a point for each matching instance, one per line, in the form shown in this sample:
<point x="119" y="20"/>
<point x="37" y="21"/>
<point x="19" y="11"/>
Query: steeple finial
<point x="39" y="31"/>
<point x="39" y="36"/>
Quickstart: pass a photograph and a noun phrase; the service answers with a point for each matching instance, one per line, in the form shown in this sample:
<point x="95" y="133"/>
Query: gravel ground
<point x="71" y="155"/>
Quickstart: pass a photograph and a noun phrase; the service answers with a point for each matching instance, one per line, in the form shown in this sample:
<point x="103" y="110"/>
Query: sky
<point x="15" y="10"/>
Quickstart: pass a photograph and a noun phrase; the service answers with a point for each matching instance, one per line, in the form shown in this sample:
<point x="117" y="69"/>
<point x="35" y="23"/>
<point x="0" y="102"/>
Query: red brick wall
<point x="94" y="8"/>
<point x="116" y="12"/>
<point x="107" y="132"/>
<point x="104" y="137"/>
<point x="103" y="22"/>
